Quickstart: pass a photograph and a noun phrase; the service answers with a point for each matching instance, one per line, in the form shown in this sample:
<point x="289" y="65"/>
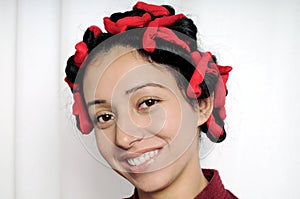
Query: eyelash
<point x="151" y="100"/>
<point x="104" y="121"/>
<point x="110" y="116"/>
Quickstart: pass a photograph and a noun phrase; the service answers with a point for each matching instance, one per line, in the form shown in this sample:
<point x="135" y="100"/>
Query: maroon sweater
<point x="214" y="190"/>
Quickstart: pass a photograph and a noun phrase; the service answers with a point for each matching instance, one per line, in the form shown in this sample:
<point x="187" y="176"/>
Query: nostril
<point x="125" y="139"/>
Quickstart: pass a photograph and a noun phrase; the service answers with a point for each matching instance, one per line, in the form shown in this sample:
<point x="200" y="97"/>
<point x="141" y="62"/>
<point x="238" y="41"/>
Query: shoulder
<point x="215" y="188"/>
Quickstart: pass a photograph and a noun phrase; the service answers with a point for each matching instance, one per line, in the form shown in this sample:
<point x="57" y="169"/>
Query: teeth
<point x="142" y="158"/>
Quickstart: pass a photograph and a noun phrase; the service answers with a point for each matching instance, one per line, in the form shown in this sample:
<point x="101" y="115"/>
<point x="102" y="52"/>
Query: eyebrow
<point x="143" y="86"/>
<point x="95" y="102"/>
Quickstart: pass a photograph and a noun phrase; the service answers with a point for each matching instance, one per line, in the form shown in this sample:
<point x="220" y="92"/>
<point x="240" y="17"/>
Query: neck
<point x="188" y="185"/>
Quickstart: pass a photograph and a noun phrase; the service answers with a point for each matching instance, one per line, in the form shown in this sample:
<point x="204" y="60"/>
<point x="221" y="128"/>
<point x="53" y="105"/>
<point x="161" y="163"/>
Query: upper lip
<point x="129" y="155"/>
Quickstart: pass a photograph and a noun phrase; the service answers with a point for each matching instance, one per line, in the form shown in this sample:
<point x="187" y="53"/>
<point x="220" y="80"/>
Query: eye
<point x="104" y="120"/>
<point x="148" y="103"/>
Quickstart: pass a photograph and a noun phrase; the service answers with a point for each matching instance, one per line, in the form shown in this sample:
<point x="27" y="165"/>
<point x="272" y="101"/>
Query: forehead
<point x="114" y="72"/>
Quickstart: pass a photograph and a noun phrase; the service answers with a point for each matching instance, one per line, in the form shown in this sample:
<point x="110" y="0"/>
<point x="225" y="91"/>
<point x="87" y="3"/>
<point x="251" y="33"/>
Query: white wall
<point x="7" y="100"/>
<point x="261" y="40"/>
<point x="42" y="157"/>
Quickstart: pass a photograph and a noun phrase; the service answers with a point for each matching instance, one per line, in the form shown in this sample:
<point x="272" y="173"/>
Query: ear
<point x="205" y="109"/>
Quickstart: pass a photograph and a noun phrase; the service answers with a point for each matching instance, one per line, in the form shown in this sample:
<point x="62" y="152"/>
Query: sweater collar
<point x="214" y="190"/>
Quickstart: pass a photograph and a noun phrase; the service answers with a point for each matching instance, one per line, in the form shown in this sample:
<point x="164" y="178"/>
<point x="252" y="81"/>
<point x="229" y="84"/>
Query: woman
<point x="147" y="92"/>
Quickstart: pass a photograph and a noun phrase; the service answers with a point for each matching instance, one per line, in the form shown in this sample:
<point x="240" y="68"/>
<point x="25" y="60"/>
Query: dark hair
<point x="167" y="53"/>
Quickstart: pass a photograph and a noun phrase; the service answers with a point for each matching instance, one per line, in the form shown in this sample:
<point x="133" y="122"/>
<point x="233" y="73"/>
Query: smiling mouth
<point x="142" y="158"/>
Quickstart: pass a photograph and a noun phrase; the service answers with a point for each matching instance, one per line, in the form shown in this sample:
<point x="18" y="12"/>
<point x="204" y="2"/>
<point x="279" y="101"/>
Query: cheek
<point x="180" y="128"/>
<point x="105" y="143"/>
<point x="168" y="120"/>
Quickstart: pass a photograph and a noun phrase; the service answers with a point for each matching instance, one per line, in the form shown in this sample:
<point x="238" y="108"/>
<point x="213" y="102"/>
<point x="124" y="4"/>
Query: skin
<point x="137" y="107"/>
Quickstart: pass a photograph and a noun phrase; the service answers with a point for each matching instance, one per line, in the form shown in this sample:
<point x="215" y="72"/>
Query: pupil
<point x="149" y="102"/>
<point x="106" y="117"/>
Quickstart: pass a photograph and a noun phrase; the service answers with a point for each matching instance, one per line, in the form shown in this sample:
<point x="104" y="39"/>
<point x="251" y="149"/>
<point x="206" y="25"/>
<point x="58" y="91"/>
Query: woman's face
<point x="144" y="127"/>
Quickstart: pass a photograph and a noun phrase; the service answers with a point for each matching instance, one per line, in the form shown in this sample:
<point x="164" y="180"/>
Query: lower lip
<point x="140" y="168"/>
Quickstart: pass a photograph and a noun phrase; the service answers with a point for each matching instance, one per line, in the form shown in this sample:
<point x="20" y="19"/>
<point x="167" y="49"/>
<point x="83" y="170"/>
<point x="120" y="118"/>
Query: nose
<point x="129" y="130"/>
<point x="124" y="140"/>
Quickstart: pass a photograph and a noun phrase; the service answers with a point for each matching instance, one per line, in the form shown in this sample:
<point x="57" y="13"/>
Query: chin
<point x="150" y="182"/>
<point x="153" y="184"/>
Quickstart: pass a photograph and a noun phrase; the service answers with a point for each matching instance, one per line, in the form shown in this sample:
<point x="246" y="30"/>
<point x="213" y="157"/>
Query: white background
<point x="42" y="157"/>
